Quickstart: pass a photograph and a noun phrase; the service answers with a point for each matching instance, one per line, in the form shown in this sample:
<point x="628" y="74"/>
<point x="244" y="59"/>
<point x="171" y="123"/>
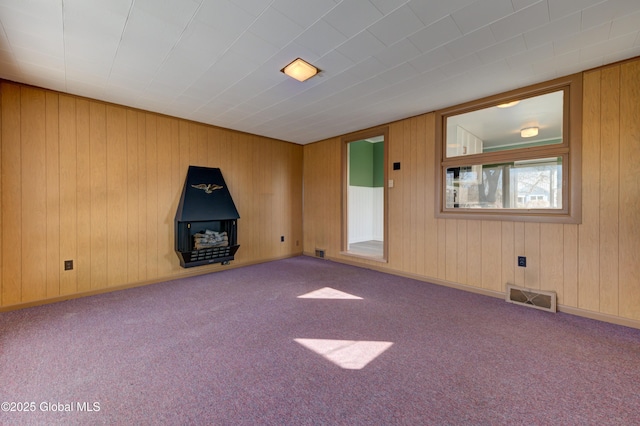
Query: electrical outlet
<point x="522" y="261"/>
<point x="282" y="238"/>
<point x="68" y="265"/>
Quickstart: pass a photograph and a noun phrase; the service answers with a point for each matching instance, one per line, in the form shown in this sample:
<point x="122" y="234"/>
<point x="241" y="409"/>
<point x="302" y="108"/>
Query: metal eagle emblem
<point x="207" y="187"/>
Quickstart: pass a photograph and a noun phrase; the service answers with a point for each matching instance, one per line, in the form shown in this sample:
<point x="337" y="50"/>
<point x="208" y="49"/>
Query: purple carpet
<point x="221" y="349"/>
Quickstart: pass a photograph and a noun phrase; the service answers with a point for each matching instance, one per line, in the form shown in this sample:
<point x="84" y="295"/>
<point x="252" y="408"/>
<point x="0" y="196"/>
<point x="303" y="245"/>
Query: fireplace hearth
<point x="206" y="223"/>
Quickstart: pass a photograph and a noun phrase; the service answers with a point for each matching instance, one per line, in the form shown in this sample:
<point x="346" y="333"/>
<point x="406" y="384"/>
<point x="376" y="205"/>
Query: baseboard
<point x="189" y="272"/>
<point x="599" y="316"/>
<point x="626" y="322"/>
<point x="451" y="284"/>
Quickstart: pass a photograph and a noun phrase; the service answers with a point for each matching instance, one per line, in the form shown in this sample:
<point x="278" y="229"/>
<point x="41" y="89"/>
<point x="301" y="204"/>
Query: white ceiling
<point x="219" y="61"/>
<point x="500" y="127"/>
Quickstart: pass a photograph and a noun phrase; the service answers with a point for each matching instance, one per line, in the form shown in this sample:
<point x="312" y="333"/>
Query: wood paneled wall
<point x="591" y="266"/>
<point x="99" y="184"/>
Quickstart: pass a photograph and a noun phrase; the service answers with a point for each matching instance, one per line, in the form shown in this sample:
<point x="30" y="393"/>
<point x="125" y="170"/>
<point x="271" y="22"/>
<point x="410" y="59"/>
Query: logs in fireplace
<point x="206" y="221"/>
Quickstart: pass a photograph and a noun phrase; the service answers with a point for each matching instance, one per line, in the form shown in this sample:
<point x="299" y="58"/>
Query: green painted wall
<point x="366" y="164"/>
<point x="378" y="164"/>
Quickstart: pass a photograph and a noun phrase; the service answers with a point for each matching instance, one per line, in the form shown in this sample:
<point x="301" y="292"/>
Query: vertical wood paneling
<point x="451" y="250"/>
<point x="441" y="248"/>
<point x="570" y="265"/>
<point x="252" y="232"/>
<point x="589" y="230"/>
<point x="430" y="241"/>
<point x="629" y="273"/>
<point x="177" y="182"/>
<point x="552" y="259"/>
<point x="99" y="184"/>
<point x="265" y="214"/>
<point x="184" y="147"/>
<point x="422" y="146"/>
<point x="11" y="195"/>
<point x="256" y="233"/>
<point x="117" y="196"/>
<point x="532" y="251"/>
<point x="83" y="196"/>
<point x="312" y="237"/>
<point x="34" y="194"/>
<point x="145" y="187"/>
<point x="413" y="195"/>
<point x="52" y="165"/>
<point x="519" y="248"/>
<point x="296" y="191"/>
<point x="508" y="262"/>
<point x="165" y="215"/>
<point x="407" y="196"/>
<point x="461" y="255"/>
<point x="201" y="147"/>
<point x="396" y="136"/>
<point x="98" y="179"/>
<point x="133" y="198"/>
<point x="280" y="157"/>
<point x="242" y="199"/>
<point x="68" y="193"/>
<point x="151" y="214"/>
<point x="474" y="253"/>
<point x="491" y="255"/>
<point x="197" y="147"/>
<point x="277" y="173"/>
<point x="176" y="171"/>
<point x="609" y="184"/>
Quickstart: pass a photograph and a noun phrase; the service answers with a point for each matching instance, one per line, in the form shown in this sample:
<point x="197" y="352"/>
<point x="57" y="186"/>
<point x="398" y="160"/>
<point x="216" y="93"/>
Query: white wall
<point x="366" y="214"/>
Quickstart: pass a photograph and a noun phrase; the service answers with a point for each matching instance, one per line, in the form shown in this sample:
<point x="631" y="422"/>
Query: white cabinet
<point x="464" y="143"/>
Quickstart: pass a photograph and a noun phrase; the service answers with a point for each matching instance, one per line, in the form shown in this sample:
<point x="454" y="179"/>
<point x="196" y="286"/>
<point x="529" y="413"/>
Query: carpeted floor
<point x="240" y="347"/>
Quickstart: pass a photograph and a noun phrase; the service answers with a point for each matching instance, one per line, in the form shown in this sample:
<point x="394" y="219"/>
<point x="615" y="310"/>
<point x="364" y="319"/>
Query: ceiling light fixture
<point x="300" y="70"/>
<point x="529" y="132"/>
<point x="508" y="104"/>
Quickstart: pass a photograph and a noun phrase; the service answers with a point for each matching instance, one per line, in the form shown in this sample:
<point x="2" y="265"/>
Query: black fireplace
<point x="206" y="220"/>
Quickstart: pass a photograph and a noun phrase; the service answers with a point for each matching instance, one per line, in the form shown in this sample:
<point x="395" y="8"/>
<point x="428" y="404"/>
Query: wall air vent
<point x="538" y="299"/>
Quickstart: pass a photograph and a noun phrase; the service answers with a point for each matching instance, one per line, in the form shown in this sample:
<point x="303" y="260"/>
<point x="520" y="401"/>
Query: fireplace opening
<point x="206" y="220"/>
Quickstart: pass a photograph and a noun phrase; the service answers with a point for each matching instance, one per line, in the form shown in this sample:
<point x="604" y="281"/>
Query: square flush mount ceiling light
<point x="300" y="70"/>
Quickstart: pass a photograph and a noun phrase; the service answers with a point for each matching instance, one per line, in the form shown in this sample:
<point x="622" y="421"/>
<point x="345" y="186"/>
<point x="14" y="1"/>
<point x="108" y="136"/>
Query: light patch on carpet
<point x="348" y="354"/>
<point x="328" y="293"/>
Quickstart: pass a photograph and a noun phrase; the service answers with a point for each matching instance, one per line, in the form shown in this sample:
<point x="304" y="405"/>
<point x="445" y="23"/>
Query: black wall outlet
<point x="68" y="265"/>
<point x="522" y="261"/>
<point x="282" y="238"/>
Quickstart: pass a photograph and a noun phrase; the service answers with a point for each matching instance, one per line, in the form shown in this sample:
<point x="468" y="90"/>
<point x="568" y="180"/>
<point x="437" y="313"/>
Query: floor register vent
<point x="538" y="299"/>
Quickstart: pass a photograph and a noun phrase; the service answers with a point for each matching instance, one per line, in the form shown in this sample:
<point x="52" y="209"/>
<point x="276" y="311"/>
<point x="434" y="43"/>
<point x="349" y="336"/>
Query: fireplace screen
<point x="206" y="220"/>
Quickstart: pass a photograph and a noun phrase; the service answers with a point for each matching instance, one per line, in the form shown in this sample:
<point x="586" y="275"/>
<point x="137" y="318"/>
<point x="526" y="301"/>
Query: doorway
<point x="365" y="195"/>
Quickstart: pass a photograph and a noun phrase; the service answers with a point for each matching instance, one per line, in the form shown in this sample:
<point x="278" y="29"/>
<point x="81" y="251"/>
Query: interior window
<point x="513" y="156"/>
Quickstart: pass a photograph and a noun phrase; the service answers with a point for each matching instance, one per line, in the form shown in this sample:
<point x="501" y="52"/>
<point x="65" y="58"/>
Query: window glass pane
<point x="519" y="185"/>
<point x="535" y="121"/>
